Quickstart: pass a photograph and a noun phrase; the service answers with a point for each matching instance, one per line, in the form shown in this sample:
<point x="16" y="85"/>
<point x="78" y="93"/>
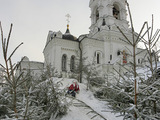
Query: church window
<point x="72" y="63"/>
<point x="118" y="53"/>
<point x="139" y="61"/>
<point x="97" y="15"/>
<point x="116" y="11"/>
<point x="64" y="62"/>
<point x="110" y="57"/>
<point x="98" y="58"/>
<point x="104" y="22"/>
<point x="124" y="57"/>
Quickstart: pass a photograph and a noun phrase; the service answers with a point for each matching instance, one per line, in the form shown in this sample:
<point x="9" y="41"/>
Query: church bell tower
<point x="106" y="14"/>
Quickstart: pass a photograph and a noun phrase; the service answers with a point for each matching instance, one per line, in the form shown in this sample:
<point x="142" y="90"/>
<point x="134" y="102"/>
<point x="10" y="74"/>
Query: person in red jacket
<point x="73" y="88"/>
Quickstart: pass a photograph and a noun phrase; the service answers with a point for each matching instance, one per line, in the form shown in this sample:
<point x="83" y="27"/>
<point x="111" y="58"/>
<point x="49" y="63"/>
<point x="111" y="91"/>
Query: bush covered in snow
<point x="24" y="97"/>
<point x="35" y="100"/>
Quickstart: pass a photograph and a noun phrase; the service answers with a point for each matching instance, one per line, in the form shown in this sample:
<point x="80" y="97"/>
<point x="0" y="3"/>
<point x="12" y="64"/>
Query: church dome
<point x="25" y="58"/>
<point x="68" y="36"/>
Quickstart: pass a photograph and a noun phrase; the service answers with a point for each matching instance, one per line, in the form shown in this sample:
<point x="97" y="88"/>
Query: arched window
<point x="64" y="62"/>
<point x="110" y="57"/>
<point x="97" y="14"/>
<point x="72" y="63"/>
<point x="98" y="58"/>
<point x="139" y="61"/>
<point x="124" y="57"/>
<point x="116" y="13"/>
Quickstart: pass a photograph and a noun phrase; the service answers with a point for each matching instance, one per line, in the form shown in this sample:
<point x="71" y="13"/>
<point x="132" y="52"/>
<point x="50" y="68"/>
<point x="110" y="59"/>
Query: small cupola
<point x="67" y="35"/>
<point x="67" y="31"/>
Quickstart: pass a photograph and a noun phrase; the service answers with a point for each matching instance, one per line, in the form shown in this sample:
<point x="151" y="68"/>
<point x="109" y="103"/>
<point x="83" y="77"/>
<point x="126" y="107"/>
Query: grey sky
<point x="32" y="19"/>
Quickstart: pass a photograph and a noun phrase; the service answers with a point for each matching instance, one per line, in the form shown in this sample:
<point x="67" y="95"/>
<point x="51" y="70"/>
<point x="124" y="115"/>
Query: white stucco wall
<point x="36" y="68"/>
<point x="58" y="47"/>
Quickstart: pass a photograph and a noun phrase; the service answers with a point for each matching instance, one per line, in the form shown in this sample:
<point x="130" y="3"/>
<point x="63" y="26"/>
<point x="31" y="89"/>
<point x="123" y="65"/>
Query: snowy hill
<point x="145" y="72"/>
<point x="84" y="104"/>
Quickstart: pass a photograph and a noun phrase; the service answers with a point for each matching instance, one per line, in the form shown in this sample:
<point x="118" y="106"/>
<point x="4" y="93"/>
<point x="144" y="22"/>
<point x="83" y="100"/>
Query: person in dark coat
<point x="73" y="88"/>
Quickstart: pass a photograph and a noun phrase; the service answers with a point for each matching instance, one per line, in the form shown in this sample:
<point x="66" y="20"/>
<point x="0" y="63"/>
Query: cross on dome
<point x="68" y="17"/>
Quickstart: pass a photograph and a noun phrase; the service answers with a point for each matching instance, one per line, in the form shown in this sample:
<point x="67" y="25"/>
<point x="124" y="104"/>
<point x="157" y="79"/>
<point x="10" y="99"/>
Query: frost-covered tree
<point x="133" y="96"/>
<point x="150" y="86"/>
<point x="24" y="97"/>
<point x="9" y="100"/>
<point x="92" y="75"/>
<point x="89" y="71"/>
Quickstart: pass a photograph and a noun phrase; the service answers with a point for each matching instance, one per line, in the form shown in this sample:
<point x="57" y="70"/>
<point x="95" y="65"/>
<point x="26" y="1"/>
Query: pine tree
<point x="133" y="96"/>
<point x="24" y="97"/>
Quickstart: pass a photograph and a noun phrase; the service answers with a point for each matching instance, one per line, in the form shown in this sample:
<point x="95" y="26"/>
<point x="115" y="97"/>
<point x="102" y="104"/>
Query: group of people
<point x="73" y="88"/>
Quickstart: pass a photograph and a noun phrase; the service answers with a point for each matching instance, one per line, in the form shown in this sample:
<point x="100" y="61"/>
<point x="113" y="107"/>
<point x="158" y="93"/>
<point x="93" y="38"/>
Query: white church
<point x="103" y="45"/>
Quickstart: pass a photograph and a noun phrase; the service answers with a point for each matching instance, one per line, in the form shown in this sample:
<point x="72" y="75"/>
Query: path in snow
<point x="89" y="110"/>
<point x="80" y="113"/>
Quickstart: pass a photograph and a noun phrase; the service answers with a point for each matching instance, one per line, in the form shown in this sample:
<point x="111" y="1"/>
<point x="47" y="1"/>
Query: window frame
<point x="117" y="9"/>
<point x="64" y="62"/>
<point x="72" y="63"/>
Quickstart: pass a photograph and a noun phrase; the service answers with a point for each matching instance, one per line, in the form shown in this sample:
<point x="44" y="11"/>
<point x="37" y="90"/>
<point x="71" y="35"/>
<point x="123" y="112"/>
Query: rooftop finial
<point x="68" y="17"/>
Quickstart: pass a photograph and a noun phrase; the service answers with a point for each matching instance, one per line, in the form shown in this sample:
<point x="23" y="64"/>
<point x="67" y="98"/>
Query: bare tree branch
<point x="141" y="51"/>
<point x="140" y="32"/>
<point x="155" y="42"/>
<point x="1" y="32"/>
<point x="124" y="35"/>
<point x="151" y="29"/>
<point x="142" y="37"/>
<point x="124" y="41"/>
<point x="14" y="51"/>
<point x="155" y="35"/>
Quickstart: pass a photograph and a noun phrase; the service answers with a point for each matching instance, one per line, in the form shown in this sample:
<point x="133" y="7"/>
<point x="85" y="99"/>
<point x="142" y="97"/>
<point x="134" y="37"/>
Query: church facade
<point x="103" y="45"/>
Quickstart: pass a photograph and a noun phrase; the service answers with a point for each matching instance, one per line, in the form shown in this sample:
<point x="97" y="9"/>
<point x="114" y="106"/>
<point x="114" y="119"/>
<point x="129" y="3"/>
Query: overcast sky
<point x="32" y="19"/>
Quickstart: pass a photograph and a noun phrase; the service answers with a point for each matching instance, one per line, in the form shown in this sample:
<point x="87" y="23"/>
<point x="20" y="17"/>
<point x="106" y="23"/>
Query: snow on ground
<point x="145" y="72"/>
<point x="80" y="113"/>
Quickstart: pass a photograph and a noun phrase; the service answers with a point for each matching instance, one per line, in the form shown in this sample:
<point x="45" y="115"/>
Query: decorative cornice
<point x="68" y="49"/>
